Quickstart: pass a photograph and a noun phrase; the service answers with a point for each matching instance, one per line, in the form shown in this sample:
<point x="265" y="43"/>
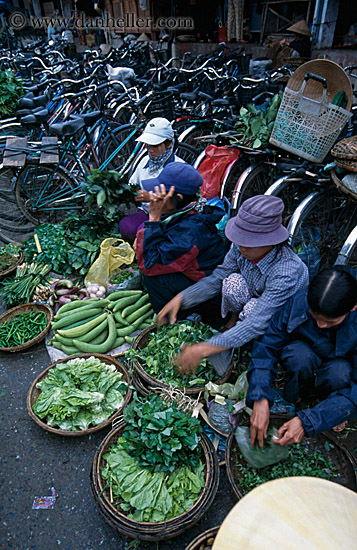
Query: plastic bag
<point x="132" y="283"/>
<point x="232" y="391"/>
<point x="221" y="416"/>
<point x="260" y="457"/>
<point x="113" y="254"/>
<point x="212" y="169"/>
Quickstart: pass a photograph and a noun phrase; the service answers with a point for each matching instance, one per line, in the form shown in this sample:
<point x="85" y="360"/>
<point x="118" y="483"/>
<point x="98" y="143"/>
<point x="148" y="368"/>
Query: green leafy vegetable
<point x="80" y="392"/>
<point x="256" y="125"/>
<point x="10" y="91"/>
<point x="160" y="436"/>
<point x="161" y="347"/>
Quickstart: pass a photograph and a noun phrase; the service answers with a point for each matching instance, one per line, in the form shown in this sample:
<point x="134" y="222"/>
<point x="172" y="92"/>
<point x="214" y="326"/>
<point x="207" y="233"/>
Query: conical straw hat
<point x="292" y="513"/>
<point x="300" y="28"/>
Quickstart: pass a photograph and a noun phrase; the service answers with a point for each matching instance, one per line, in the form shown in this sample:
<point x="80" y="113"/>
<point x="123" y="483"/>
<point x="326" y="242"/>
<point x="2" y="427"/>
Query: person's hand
<point x="142" y="196"/>
<point x="189" y="358"/>
<point x="159" y="201"/>
<point x="170" y="311"/>
<point x="259" y="422"/>
<point x="134" y="245"/>
<point x="290" y="432"/>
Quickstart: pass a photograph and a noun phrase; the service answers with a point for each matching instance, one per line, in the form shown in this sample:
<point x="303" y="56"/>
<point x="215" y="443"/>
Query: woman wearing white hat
<point x="158" y="138"/>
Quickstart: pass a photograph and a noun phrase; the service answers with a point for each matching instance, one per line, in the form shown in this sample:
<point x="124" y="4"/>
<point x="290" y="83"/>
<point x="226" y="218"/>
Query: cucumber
<point x="99" y="339"/>
<point x="123" y="293"/>
<point x="63" y="340"/>
<point x="125" y="331"/>
<point x="72" y="325"/>
<point x="118" y="342"/>
<point x="79" y="305"/>
<point x="68" y="350"/>
<point x="138" y="313"/>
<point x="69" y="306"/>
<point x="129" y="339"/>
<point x="105" y="346"/>
<point x="70" y="318"/>
<point x="83" y="329"/>
<point x="134" y="307"/>
<point x="120" y="320"/>
<point x="123" y="302"/>
<point x="95" y="332"/>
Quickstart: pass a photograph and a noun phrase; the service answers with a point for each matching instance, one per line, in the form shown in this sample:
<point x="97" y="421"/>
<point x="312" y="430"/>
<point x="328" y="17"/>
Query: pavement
<point x="34" y="461"/>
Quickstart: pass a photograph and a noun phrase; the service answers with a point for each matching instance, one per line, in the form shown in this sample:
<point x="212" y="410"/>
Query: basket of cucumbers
<point x="99" y="325"/>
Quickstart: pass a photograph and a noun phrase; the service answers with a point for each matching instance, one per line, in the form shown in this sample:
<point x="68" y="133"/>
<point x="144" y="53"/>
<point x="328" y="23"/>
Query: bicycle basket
<point x="161" y="106"/>
<point x="307" y="123"/>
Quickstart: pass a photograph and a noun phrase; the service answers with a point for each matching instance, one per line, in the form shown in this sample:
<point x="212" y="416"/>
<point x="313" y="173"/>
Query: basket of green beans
<point x="24" y="326"/>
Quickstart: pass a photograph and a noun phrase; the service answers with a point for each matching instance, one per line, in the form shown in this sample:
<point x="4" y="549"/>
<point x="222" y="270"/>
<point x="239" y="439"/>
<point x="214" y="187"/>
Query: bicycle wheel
<point x="47" y="195"/>
<point x="253" y="181"/>
<point x="116" y="150"/>
<point x="14" y="227"/>
<point x="186" y="153"/>
<point x="348" y="253"/>
<point x="322" y="223"/>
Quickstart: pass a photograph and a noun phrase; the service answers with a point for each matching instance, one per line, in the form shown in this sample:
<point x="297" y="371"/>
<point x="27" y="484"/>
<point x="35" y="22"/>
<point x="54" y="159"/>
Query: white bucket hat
<point x="157" y="131"/>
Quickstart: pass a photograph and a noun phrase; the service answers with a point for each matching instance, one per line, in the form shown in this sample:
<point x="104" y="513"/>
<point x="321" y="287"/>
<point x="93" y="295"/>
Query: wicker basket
<point x="351" y="193"/>
<point x="140" y="342"/>
<point x="13" y="267"/>
<point x="345" y="149"/>
<point x="338" y="455"/>
<point x="35" y="392"/>
<point x="307" y="123"/>
<point x="203" y="538"/>
<point x="161" y="530"/>
<point x="25" y="308"/>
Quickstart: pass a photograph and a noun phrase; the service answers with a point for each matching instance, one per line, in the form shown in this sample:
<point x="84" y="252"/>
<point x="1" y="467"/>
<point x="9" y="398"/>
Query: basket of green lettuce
<point x="80" y="394"/>
<point x="156" y="473"/>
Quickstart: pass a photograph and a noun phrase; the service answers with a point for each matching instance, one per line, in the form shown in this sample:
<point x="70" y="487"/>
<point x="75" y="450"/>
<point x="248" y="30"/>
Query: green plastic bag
<point x="260" y="457"/>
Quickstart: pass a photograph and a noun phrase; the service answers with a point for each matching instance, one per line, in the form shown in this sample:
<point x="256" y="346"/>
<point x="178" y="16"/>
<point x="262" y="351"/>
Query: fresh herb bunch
<point x="122" y="276"/>
<point x="107" y="191"/>
<point x="21" y="289"/>
<point x="9" y="255"/>
<point x="301" y="461"/>
<point x="10" y="91"/>
<point x="256" y="125"/>
<point x="160" y="436"/>
<point x="161" y="348"/>
<point x="150" y="496"/>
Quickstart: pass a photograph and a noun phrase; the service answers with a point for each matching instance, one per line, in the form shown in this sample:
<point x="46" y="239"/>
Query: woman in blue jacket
<point x="179" y="244"/>
<point x="314" y="338"/>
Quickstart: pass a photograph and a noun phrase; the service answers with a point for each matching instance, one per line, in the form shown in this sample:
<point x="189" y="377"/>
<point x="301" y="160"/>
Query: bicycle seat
<point x="40" y="100"/>
<point x="88" y="118"/>
<point x="221" y="102"/>
<point x="190" y="96"/>
<point x="29" y="95"/>
<point x="68" y="128"/>
<point x="35" y="118"/>
<point x="178" y="88"/>
<point x="203" y="95"/>
<point x="160" y="87"/>
<point x="25" y="103"/>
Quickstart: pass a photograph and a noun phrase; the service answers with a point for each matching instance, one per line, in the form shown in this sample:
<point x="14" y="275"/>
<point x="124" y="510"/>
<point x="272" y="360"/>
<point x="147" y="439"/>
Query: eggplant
<point x="66" y="291"/>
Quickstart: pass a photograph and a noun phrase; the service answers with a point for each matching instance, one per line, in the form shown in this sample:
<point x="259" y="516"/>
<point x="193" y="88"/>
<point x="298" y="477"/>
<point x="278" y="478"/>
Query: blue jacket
<point x="187" y="242"/>
<point x="294" y="322"/>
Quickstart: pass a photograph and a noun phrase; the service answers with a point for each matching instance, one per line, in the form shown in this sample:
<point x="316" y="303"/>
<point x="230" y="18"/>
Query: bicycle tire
<point x="186" y="152"/>
<point x="14" y="227"/>
<point x="254" y="180"/>
<point x="348" y="252"/>
<point x="109" y="146"/>
<point x="333" y="216"/>
<point x="47" y="195"/>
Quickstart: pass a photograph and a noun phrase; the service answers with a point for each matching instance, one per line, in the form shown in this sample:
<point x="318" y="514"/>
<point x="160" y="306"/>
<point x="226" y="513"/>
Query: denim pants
<point x="305" y="369"/>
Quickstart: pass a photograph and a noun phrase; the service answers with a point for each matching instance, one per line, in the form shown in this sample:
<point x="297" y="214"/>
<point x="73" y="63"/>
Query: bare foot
<point x="340" y="427"/>
<point x="232" y="321"/>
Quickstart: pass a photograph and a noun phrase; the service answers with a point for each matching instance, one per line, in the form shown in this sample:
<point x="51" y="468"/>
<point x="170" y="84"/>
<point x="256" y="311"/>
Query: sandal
<point x="340" y="427"/>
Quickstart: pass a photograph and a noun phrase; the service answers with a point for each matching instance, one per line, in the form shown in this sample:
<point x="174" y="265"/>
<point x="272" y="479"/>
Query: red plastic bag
<point x="212" y="168"/>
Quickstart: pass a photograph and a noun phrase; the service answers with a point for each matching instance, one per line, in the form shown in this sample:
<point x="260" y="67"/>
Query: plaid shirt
<point x="272" y="280"/>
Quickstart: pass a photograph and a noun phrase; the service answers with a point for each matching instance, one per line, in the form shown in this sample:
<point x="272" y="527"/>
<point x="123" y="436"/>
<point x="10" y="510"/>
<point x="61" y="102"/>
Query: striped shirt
<point x="272" y="280"/>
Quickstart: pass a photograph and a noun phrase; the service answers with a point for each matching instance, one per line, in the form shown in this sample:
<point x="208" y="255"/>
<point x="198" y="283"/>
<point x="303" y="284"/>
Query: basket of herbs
<point x="156" y="473"/>
<point x="318" y="456"/>
<point x="204" y="541"/>
<point x="154" y="351"/>
<point x="79" y="395"/>
<point x="24" y="326"/>
<point x="10" y="257"/>
<point x="28" y="280"/>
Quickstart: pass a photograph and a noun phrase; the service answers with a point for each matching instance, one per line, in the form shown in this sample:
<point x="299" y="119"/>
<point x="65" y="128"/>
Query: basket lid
<point x="345" y="149"/>
<point x="319" y="514"/>
<point x="336" y="78"/>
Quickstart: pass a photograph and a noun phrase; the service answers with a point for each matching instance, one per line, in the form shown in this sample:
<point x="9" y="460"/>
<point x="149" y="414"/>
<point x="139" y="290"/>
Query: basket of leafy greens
<point x="79" y="395"/>
<point x="10" y="257"/>
<point x="156" y="473"/>
<point x="317" y="456"/>
<point x="153" y="355"/>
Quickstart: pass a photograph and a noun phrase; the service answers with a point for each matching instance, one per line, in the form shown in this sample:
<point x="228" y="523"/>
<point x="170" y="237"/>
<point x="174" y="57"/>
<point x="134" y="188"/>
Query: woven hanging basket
<point x="26" y="308"/>
<point x="338" y="455"/>
<point x="34" y="393"/>
<point x="160" y="530"/>
<point x="140" y="342"/>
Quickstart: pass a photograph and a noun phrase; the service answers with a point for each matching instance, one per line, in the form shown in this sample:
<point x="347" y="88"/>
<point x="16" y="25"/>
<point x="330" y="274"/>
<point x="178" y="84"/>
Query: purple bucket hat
<point x="258" y="223"/>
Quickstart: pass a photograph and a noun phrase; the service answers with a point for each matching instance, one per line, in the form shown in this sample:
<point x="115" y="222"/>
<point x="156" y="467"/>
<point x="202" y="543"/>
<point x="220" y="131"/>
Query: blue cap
<point x="184" y="177"/>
